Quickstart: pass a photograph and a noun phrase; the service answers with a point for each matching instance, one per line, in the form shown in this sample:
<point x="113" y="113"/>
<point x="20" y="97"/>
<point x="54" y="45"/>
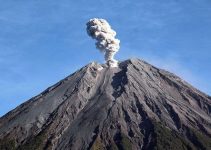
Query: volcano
<point x="134" y="106"/>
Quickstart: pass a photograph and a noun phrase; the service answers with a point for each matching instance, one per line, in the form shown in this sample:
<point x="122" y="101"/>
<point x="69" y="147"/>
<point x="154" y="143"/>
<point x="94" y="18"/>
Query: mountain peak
<point x="132" y="106"/>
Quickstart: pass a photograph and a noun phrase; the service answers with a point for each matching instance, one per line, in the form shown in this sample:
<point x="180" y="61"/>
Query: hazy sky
<point x="43" y="41"/>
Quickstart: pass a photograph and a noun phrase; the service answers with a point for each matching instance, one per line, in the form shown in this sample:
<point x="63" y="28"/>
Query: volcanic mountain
<point x="131" y="107"/>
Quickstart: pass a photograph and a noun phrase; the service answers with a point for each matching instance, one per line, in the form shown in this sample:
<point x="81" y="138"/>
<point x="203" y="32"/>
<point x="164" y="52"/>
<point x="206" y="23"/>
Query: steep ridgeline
<point x="134" y="106"/>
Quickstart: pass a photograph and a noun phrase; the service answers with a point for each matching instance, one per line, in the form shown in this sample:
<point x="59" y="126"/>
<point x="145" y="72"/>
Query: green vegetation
<point x="165" y="139"/>
<point x="6" y="144"/>
<point x="200" y="140"/>
<point x="123" y="142"/>
<point x="36" y="143"/>
<point x="113" y="146"/>
<point x="97" y="145"/>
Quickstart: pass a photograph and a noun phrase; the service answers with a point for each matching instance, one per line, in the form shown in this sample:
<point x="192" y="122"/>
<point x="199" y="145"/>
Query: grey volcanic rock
<point x="133" y="106"/>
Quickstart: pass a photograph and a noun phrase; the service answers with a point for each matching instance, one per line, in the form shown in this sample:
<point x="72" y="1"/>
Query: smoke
<point x="100" y="30"/>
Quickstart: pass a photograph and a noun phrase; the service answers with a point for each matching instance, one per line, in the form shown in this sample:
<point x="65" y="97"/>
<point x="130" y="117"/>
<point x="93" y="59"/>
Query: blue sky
<point x="43" y="41"/>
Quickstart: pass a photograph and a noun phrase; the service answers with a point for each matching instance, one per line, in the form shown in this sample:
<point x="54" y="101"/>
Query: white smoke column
<point x="100" y="30"/>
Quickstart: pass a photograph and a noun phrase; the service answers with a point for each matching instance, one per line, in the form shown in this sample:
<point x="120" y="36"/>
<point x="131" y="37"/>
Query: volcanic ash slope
<point x="133" y="106"/>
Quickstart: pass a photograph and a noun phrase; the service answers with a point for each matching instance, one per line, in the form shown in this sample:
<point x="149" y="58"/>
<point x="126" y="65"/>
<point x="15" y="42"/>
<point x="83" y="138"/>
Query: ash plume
<point x="100" y="30"/>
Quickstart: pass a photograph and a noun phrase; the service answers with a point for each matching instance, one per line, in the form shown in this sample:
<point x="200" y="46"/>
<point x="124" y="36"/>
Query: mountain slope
<point x="134" y="106"/>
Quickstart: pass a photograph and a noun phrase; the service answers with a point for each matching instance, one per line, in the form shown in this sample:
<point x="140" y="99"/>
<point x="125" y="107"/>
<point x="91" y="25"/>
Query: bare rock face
<point x="133" y="106"/>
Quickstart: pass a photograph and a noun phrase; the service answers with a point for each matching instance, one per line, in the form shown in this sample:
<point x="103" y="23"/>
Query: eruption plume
<point x="100" y="30"/>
